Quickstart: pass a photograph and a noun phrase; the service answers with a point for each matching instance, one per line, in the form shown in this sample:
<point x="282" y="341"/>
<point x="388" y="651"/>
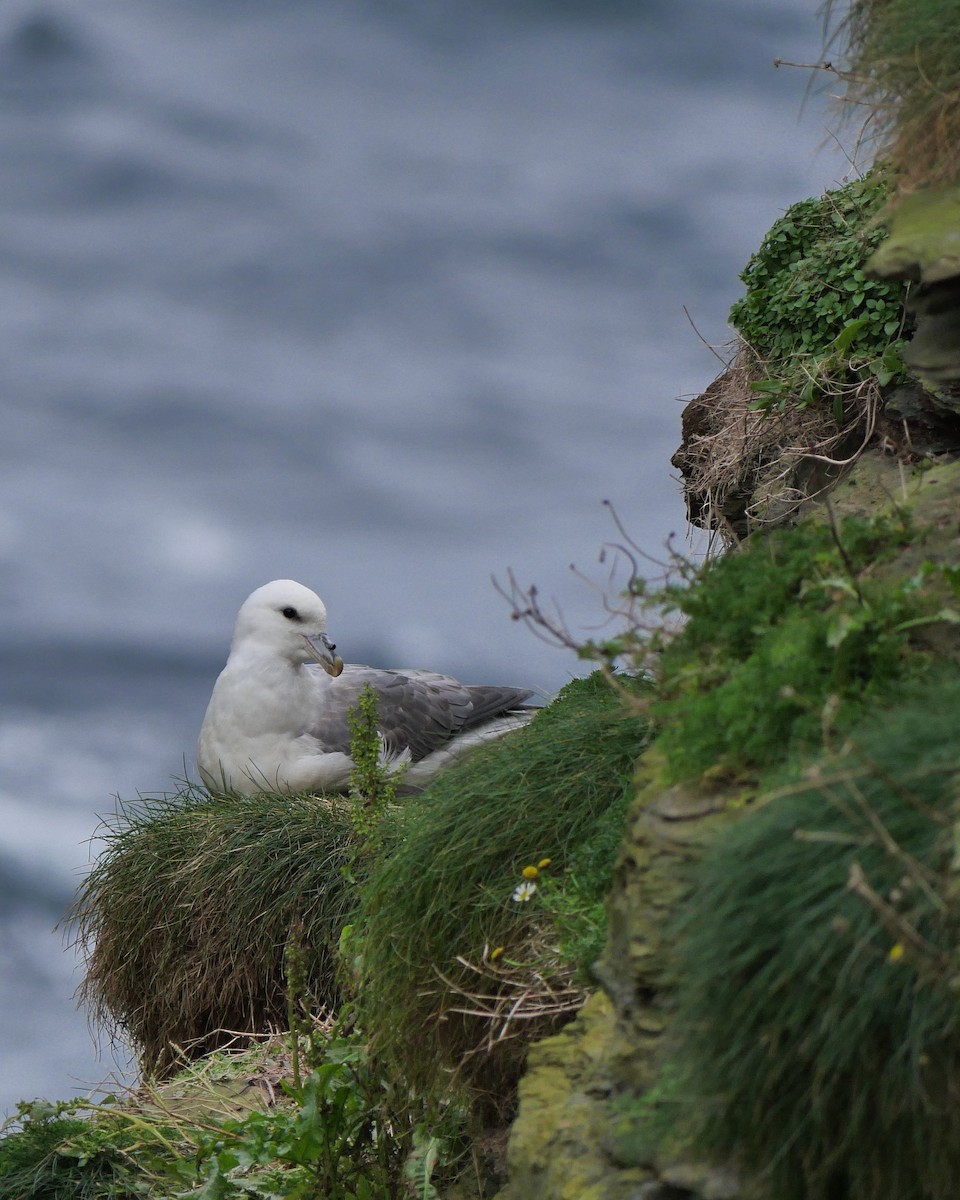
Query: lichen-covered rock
<point x="923" y="239"/>
<point x="558" y="1142"/>
<point x="665" y="828"/>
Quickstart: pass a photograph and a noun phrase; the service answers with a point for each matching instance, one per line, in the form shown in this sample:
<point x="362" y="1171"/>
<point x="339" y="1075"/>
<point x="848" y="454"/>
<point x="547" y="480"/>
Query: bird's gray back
<point x="418" y="709"/>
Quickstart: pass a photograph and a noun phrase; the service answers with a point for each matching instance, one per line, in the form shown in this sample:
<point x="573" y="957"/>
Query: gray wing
<point x="417" y="709"/>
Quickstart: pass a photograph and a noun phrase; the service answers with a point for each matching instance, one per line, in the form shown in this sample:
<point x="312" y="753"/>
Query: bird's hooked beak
<point x="322" y="651"/>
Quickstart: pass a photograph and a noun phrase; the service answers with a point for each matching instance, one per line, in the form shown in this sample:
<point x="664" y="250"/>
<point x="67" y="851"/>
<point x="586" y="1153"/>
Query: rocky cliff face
<point x="592" y="1120"/>
<point x="587" y="1125"/>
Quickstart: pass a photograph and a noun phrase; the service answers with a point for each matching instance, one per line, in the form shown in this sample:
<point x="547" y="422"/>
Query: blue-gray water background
<point x="383" y="295"/>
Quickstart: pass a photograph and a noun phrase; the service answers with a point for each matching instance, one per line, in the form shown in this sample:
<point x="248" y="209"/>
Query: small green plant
<point x="815" y="321"/>
<point x="373" y="783"/>
<point x="342" y="1132"/>
<point x="338" y="1141"/>
<point x="299" y="1009"/>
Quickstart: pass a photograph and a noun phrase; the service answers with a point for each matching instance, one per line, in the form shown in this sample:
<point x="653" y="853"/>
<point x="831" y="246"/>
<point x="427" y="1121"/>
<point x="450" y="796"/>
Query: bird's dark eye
<point x="291" y="613"/>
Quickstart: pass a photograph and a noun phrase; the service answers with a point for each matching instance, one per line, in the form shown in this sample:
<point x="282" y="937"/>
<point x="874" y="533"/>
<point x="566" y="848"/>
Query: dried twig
<point x="513" y="993"/>
<point x="895" y="924"/>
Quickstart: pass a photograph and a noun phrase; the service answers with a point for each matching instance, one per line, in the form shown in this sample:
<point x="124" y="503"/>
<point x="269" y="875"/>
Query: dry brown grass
<point x="510" y="999"/>
<point x="902" y="85"/>
<point x="744" y="468"/>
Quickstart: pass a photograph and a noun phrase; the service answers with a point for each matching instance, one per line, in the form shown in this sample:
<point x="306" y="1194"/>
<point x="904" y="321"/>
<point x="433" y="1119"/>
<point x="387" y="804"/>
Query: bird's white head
<point x="286" y="619"/>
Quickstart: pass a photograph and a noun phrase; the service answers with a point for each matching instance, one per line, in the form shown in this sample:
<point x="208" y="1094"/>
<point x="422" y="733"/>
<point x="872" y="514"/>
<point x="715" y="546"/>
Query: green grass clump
<point x="447" y="889"/>
<point x="57" y="1154"/>
<point x="817" y="970"/>
<point x="32" y="1162"/>
<point x="795" y="622"/>
<point x="188" y="910"/>
<point x="810" y="314"/>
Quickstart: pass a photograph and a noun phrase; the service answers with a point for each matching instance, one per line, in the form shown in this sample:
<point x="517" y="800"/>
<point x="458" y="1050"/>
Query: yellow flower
<point x="530" y="872"/>
<point x="544" y="862"/>
<point x="895" y="953"/>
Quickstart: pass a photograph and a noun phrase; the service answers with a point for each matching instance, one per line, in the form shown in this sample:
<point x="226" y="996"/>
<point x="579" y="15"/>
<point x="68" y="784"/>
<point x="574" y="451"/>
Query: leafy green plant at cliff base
<point x="815" y="321"/>
<point x="339" y="1139"/>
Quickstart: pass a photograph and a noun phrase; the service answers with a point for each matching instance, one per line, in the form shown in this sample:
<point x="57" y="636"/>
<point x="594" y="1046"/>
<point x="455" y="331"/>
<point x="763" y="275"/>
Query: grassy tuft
<point x="74" y="1150"/>
<point x="903" y="83"/>
<point x="443" y="900"/>
<point x="816" y="971"/>
<point x="188" y="910"/>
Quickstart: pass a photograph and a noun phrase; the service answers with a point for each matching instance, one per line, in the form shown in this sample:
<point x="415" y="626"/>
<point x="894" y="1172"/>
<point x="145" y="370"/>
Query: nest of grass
<point x="903" y="83"/>
<point x="745" y="468"/>
<point x="459" y="977"/>
<point x="817" y="967"/>
<point x="187" y="913"/>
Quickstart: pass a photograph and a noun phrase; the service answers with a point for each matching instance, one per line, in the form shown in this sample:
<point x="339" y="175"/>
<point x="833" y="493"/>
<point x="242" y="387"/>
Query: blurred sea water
<point x="383" y="295"/>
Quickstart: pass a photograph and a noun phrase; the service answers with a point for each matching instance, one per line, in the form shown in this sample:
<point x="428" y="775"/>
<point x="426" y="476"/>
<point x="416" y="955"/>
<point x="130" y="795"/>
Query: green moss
<point x="810" y="313"/>
<point x="923" y="238"/>
<point x="816" y="972"/>
<point x="794" y="632"/>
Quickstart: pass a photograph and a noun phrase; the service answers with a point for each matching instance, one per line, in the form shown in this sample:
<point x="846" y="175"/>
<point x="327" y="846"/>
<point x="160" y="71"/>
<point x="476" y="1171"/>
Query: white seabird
<point x="277" y="720"/>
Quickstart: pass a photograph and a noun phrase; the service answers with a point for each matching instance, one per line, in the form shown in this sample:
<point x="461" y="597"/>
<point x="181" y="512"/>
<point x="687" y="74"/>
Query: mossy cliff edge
<point x="776" y="1018"/>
